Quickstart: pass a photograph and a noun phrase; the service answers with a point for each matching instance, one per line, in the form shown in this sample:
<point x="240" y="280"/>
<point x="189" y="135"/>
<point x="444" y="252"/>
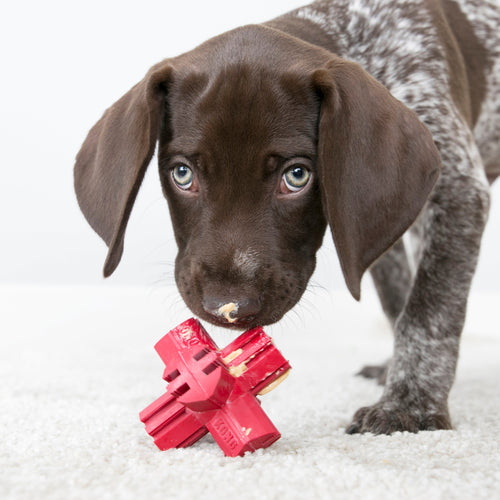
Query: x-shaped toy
<point x="212" y="390"/>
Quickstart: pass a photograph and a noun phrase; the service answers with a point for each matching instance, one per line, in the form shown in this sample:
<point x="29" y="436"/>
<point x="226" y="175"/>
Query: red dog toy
<point x="212" y="390"/>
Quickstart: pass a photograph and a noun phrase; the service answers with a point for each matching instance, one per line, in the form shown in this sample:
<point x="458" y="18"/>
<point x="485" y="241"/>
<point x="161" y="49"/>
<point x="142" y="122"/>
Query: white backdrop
<point x="63" y="64"/>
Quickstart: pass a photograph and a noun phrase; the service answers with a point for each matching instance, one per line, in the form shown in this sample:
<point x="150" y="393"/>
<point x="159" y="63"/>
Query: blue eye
<point x="183" y="176"/>
<point x="296" y="178"/>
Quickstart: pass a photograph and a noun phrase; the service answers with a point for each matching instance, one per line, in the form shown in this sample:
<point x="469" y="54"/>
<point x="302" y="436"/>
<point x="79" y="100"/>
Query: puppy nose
<point x="241" y="310"/>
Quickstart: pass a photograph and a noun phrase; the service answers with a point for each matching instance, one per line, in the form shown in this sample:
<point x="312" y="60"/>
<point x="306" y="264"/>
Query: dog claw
<point x="383" y="418"/>
<point x="353" y="429"/>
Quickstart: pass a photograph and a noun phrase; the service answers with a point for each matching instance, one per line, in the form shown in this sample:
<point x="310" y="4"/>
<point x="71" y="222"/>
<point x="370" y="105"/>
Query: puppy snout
<point x="229" y="310"/>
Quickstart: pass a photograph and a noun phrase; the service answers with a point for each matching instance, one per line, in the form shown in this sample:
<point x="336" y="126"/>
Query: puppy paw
<point x="384" y="418"/>
<point x="376" y="372"/>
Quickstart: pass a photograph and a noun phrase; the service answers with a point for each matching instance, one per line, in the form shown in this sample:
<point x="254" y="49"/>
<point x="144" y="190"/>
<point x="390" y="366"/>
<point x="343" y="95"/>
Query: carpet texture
<point x="77" y="365"/>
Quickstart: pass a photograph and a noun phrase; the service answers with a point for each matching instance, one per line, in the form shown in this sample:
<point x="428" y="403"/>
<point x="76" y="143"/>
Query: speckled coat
<point x="442" y="59"/>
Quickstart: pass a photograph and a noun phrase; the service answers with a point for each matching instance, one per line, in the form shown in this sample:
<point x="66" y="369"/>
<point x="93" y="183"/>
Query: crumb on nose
<point x="226" y="311"/>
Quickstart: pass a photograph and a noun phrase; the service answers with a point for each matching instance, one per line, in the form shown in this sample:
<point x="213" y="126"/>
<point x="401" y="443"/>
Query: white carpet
<point x="77" y="366"/>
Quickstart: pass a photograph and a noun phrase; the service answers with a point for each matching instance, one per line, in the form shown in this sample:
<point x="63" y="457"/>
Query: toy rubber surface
<point x="212" y="390"/>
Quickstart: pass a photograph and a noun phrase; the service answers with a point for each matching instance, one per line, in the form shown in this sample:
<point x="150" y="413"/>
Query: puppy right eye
<point x="295" y="179"/>
<point x="183" y="177"/>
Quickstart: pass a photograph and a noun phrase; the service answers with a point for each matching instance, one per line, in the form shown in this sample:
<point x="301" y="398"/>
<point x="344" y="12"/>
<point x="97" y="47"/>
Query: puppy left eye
<point x="183" y="176"/>
<point x="295" y="179"/>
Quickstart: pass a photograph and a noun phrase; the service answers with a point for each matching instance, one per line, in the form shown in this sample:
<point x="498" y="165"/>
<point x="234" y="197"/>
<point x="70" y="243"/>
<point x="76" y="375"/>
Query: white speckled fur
<point x="398" y="43"/>
<point x="485" y="17"/>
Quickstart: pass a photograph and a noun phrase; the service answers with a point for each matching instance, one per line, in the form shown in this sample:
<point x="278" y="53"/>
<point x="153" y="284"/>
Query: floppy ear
<point x="377" y="165"/>
<point x="113" y="159"/>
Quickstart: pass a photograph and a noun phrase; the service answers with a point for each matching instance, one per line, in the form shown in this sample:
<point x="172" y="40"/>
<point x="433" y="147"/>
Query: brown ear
<point x="377" y="165"/>
<point x="113" y="159"/>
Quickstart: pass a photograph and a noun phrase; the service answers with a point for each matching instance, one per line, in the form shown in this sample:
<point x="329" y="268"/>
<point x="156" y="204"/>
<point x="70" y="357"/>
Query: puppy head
<point x="237" y="162"/>
<point x="263" y="139"/>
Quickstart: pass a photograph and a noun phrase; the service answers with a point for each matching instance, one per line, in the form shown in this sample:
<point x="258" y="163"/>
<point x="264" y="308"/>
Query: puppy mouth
<point x="235" y="325"/>
<point x="223" y="317"/>
<point x="238" y="313"/>
<point x="237" y="308"/>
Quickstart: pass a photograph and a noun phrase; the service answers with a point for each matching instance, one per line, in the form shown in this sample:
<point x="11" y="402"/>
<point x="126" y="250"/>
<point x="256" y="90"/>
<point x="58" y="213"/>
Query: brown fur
<point x="241" y="119"/>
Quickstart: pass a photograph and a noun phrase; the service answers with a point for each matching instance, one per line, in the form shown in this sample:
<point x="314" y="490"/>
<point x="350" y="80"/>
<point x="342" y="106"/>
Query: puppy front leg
<point x="392" y="277"/>
<point x="427" y="332"/>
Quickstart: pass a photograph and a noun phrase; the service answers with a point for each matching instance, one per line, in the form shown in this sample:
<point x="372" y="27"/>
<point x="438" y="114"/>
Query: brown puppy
<point x="269" y="133"/>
